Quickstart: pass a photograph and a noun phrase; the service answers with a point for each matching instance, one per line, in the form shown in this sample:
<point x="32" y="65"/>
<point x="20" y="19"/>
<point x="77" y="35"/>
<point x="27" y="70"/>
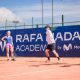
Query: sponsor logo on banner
<point x="68" y="37"/>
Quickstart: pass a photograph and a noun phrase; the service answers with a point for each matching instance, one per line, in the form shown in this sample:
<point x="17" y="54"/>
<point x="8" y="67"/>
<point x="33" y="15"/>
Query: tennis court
<point x="32" y="68"/>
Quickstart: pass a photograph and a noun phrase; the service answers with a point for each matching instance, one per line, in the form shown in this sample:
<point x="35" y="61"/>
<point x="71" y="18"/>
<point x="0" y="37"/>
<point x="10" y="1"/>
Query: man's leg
<point x="56" y="54"/>
<point x="47" y="54"/>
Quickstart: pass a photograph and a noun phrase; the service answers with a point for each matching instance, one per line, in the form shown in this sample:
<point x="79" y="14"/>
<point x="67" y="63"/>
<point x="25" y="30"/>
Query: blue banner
<point x="32" y="42"/>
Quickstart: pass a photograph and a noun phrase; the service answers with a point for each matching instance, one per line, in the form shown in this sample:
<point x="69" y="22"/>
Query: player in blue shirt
<point x="9" y="45"/>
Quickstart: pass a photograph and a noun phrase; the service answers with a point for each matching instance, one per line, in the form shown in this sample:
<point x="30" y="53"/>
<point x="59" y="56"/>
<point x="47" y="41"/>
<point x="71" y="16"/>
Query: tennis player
<point x="51" y="46"/>
<point x="9" y="45"/>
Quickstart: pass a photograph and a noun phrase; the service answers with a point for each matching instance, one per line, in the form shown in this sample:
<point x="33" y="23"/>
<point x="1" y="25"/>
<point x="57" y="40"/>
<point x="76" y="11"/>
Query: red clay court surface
<point x="28" y="68"/>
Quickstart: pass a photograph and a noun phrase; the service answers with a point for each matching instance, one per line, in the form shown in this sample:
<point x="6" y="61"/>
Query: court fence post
<point x="62" y="20"/>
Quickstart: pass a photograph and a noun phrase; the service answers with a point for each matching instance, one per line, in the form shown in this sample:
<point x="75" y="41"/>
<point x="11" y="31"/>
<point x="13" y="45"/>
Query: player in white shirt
<point x="51" y="46"/>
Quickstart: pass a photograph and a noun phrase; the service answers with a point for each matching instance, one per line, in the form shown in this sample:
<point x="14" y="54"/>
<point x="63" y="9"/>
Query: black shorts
<point x="51" y="47"/>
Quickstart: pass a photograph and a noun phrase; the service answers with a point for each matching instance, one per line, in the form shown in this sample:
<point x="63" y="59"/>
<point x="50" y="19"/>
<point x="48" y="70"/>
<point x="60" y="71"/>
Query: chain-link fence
<point x="25" y="26"/>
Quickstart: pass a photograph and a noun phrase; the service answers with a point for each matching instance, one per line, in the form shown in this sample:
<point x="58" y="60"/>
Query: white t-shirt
<point x="49" y="37"/>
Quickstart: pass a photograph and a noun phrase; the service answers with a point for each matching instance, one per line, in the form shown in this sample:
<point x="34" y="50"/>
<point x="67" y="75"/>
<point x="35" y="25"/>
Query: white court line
<point x="25" y="73"/>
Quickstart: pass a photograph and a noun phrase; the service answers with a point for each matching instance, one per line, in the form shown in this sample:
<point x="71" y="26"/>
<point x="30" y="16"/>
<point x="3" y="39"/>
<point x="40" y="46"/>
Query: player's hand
<point x="2" y="40"/>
